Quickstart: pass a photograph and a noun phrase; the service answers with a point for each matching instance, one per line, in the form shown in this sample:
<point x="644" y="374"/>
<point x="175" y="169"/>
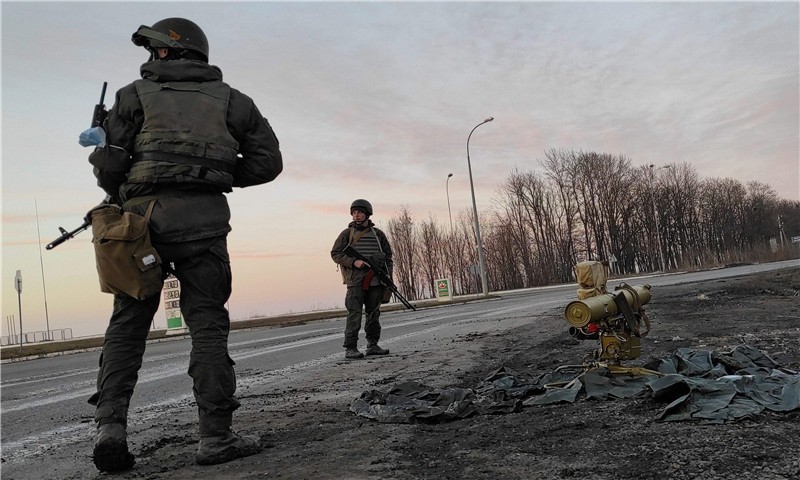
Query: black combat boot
<point x="374" y="349"/>
<point x="224" y="448"/>
<point x="111" y="448"/>
<point x="353" y="353"/>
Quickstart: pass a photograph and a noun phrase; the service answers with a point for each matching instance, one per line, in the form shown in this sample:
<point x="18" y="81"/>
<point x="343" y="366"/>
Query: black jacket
<point x="187" y="209"/>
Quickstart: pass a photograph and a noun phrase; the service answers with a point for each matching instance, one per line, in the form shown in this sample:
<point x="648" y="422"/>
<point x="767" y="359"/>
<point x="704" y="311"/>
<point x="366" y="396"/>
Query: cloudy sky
<point x="376" y="100"/>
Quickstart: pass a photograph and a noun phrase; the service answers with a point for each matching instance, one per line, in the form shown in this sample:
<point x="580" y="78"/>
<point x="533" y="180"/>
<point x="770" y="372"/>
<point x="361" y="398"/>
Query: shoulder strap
<point x="375" y="232"/>
<point x="353" y="241"/>
<point x="149" y="211"/>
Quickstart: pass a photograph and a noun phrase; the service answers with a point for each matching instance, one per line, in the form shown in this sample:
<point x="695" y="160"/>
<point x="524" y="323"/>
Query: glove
<point x="93" y="136"/>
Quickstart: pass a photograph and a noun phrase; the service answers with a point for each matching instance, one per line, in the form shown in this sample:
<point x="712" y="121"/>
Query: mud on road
<point x="310" y="432"/>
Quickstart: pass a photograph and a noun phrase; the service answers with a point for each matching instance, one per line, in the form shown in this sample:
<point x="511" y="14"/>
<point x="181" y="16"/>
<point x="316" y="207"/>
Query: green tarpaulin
<point x="704" y="385"/>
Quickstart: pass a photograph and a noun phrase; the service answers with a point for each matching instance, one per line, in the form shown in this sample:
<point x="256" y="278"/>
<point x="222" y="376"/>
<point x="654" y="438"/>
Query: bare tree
<point x="720" y="215"/>
<point x="431" y="255"/>
<point x="465" y="254"/>
<point x="517" y="226"/>
<point x="588" y="205"/>
<point x="400" y="229"/>
<point x="567" y="213"/>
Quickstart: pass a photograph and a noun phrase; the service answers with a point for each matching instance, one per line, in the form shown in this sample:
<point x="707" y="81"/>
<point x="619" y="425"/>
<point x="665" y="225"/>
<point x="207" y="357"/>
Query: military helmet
<point x="362" y="204"/>
<point x="177" y="33"/>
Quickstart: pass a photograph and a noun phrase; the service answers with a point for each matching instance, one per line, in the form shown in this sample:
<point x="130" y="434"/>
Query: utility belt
<point x="207" y="163"/>
<point x="152" y="168"/>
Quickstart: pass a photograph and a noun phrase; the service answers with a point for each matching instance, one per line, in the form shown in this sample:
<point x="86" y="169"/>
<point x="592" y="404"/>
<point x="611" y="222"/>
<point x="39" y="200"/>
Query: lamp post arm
<point x="449" y="212"/>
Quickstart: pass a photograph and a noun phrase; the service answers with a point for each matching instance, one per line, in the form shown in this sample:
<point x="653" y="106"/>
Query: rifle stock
<point x="383" y="276"/>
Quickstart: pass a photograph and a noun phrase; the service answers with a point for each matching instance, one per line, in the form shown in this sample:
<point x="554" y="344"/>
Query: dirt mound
<point x="593" y="439"/>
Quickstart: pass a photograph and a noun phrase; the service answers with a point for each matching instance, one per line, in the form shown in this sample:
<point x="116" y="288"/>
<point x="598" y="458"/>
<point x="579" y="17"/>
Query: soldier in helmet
<point x="183" y="138"/>
<point x="364" y="291"/>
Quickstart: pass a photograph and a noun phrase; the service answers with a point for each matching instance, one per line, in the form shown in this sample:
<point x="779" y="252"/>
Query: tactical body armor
<point x="173" y="145"/>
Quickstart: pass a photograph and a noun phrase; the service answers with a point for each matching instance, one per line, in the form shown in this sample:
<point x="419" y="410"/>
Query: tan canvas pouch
<point x="126" y="260"/>
<point x="592" y="276"/>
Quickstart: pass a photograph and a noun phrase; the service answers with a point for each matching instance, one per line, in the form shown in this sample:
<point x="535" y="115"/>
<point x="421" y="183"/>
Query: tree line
<point x="595" y="206"/>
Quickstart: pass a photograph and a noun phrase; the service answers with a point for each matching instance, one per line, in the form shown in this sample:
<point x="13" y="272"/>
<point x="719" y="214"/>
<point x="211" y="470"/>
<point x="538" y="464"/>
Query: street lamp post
<point x="481" y="261"/>
<point x="447" y="187"/>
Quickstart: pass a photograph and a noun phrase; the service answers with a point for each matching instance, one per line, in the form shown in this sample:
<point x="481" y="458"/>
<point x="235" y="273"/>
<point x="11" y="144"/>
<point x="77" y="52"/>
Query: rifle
<point x="100" y="112"/>
<point x="65" y="235"/>
<point x="383" y="276"/>
<point x="98" y="117"/>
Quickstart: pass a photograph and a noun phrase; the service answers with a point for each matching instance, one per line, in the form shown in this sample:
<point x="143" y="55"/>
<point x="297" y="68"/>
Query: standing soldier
<point x="364" y="290"/>
<point x="182" y="137"/>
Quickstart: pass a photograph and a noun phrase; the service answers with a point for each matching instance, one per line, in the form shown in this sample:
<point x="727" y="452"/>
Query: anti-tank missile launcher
<point x="615" y="318"/>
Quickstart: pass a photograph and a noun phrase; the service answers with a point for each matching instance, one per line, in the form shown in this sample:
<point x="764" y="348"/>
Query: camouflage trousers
<point x="369" y="301"/>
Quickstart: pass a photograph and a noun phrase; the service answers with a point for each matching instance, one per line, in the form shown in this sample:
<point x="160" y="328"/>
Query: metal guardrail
<point x="37" y="337"/>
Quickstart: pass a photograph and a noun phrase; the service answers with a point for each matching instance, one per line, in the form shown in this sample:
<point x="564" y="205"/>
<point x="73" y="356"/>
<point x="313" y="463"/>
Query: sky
<point x="376" y="100"/>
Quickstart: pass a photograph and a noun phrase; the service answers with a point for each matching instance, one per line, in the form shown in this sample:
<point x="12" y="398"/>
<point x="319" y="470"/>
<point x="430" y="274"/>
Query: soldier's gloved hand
<point x="93" y="136"/>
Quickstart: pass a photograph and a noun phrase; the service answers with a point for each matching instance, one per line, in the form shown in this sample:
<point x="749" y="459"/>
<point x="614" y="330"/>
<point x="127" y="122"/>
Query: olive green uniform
<point x="366" y="240"/>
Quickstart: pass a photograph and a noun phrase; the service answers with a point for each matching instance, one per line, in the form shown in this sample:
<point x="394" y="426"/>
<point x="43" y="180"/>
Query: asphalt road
<point x="43" y="401"/>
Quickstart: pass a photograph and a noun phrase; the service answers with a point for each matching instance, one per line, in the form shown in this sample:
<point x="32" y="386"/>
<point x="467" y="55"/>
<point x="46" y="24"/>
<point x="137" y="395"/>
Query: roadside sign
<point x="18" y="286"/>
<point x="172" y="306"/>
<point x="443" y="291"/>
<point x="796" y="239"/>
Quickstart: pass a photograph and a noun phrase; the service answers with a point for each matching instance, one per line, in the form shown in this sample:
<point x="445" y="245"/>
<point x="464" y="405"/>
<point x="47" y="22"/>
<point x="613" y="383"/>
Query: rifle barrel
<point x="66" y="236"/>
<point x="103" y="93"/>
